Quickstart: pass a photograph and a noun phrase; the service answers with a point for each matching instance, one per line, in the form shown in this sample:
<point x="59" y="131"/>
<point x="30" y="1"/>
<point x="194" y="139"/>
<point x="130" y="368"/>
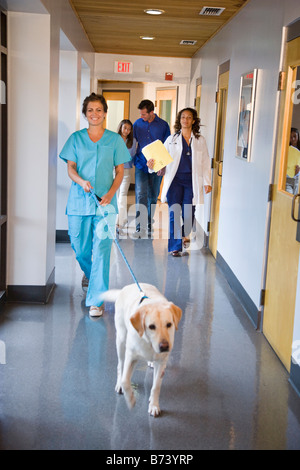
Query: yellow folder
<point x="158" y="152"/>
<point x="293" y="161"/>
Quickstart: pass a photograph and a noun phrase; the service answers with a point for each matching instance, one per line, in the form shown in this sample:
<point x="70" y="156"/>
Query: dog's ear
<point x="137" y="321"/>
<point x="177" y="312"/>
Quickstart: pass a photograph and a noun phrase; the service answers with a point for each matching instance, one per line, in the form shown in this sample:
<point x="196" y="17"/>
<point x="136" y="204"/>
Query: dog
<point x="145" y="328"/>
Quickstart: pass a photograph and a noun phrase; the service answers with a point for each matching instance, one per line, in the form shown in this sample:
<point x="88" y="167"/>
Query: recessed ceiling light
<point x="152" y="11"/>
<point x="147" y="38"/>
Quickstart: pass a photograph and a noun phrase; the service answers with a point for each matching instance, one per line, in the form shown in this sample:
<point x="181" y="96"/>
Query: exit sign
<point x="123" y="67"/>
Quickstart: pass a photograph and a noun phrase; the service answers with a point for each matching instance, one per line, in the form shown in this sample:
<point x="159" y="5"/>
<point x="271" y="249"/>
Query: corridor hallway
<point x="224" y="387"/>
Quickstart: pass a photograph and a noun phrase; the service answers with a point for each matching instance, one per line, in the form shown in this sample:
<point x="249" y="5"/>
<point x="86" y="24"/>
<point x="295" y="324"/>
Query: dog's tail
<point x="110" y="295"/>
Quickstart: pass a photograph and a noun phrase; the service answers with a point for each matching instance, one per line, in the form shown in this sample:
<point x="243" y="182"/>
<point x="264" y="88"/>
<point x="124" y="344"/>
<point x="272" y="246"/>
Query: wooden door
<point x="283" y="253"/>
<point x="218" y="162"/>
<point x="118" y="108"/>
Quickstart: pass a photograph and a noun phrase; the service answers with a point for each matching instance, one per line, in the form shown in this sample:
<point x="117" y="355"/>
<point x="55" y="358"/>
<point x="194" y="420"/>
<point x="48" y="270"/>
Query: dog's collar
<point x="143" y="298"/>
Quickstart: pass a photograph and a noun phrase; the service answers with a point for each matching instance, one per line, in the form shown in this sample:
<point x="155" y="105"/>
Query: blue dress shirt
<point x="146" y="132"/>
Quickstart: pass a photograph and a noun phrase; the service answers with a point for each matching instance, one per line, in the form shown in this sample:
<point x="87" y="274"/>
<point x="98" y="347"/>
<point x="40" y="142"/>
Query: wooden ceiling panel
<point x="115" y="26"/>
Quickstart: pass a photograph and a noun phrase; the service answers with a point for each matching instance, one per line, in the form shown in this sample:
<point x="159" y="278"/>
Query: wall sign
<point x="123" y="67"/>
<point x="169" y="76"/>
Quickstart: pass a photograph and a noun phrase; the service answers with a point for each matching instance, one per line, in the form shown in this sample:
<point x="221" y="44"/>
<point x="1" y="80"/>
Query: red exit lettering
<point x="123" y="67"/>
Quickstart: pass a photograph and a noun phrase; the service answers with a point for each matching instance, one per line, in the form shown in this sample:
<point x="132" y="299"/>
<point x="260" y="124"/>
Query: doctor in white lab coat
<point x="185" y="177"/>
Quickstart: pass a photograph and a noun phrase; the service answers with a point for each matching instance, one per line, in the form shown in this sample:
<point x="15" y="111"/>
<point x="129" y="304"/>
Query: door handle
<point x="293" y="208"/>
<point x="221" y="161"/>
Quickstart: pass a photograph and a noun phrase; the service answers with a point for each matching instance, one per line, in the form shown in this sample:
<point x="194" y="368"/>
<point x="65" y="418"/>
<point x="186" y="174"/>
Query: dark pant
<point x="180" y="197"/>
<point x="147" y="186"/>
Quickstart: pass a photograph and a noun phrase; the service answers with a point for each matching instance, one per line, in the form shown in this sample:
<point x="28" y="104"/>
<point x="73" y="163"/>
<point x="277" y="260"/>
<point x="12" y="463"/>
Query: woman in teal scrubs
<point x="92" y="155"/>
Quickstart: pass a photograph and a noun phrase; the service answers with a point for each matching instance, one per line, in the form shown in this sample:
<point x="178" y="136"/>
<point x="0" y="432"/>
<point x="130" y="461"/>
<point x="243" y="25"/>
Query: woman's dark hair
<point x="129" y="140"/>
<point x="94" y="97"/>
<point x="196" y="125"/>
<point x="294" y="129"/>
<point x="146" y="104"/>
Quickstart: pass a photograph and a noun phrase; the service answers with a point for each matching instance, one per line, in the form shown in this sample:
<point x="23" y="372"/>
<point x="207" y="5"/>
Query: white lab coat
<point x="201" y="166"/>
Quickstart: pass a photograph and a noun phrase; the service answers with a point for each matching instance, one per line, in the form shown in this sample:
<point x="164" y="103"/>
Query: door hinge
<point x="217" y="96"/>
<point x="208" y="227"/>
<point x="262" y="297"/>
<point x="281" y="80"/>
<point x="271" y="192"/>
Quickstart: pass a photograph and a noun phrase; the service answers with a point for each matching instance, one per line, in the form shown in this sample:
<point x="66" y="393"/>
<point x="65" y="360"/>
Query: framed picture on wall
<point x="246" y="115"/>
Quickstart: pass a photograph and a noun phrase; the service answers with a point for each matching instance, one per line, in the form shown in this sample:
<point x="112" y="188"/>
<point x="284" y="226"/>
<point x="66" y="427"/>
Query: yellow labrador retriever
<point x="145" y="328"/>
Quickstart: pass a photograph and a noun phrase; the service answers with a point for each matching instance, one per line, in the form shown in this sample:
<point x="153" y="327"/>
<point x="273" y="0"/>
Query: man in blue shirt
<point x="147" y="129"/>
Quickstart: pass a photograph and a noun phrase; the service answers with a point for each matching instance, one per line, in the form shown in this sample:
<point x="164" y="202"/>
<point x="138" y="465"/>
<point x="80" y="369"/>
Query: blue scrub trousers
<point x="179" y="198"/>
<point x="92" y="253"/>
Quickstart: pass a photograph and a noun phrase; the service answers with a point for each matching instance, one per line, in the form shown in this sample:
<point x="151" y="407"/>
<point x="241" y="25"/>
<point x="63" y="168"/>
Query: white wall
<point x="28" y="119"/>
<point x="33" y="67"/>
<point x="242" y="224"/>
<point x="155" y="78"/>
<point x="67" y="119"/>
<point x="158" y="66"/>
<point x="252" y="40"/>
<point x="85" y="89"/>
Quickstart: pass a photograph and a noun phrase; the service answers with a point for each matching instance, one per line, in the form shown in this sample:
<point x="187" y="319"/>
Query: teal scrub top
<point x="95" y="163"/>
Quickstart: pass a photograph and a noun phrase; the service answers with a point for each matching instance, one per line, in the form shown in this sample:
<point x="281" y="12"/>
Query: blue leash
<point x="97" y="199"/>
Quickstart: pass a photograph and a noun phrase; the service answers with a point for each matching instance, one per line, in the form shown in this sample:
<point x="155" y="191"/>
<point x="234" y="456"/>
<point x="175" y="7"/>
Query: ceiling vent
<point x="187" y="42"/>
<point x="211" y="11"/>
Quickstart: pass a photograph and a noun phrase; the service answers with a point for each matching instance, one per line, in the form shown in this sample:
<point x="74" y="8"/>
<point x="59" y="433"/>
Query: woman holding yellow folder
<point x="185" y="177"/>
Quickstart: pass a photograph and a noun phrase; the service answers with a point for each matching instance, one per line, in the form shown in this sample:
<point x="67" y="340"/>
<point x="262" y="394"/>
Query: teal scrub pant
<point x="92" y="253"/>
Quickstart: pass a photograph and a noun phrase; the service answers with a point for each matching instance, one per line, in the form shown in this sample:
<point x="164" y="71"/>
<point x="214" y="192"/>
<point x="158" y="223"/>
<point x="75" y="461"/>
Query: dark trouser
<point x="147" y="186"/>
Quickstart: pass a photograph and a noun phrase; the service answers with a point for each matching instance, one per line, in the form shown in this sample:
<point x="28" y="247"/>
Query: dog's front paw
<point x="130" y="399"/>
<point x="118" y="388"/>
<point x="154" y="409"/>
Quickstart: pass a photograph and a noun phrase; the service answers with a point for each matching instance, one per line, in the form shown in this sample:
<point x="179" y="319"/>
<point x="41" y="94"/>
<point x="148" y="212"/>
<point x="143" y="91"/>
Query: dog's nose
<point x="164" y="346"/>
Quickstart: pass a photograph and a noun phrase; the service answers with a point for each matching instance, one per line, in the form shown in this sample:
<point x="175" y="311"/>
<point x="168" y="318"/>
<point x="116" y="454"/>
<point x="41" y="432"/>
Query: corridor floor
<point x="224" y="387"/>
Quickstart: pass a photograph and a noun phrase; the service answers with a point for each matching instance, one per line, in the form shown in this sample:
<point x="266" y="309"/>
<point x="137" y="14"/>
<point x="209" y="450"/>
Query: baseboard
<point x="295" y="377"/>
<point x="62" y="236"/>
<point x="31" y="294"/>
<point x="2" y="299"/>
<point x="239" y="290"/>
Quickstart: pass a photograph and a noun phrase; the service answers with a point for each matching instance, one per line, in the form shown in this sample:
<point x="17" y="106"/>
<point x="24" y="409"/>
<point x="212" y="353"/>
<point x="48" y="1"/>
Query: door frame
<point x="3" y="156"/>
<point x="217" y="161"/>
<point x="124" y="96"/>
<point x="171" y="93"/>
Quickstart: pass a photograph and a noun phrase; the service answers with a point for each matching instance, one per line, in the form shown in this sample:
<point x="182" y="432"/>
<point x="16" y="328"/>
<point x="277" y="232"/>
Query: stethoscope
<point x="189" y="152"/>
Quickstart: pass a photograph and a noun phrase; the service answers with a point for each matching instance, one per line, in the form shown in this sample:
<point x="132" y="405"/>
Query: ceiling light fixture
<point x="147" y="38"/>
<point x="152" y="11"/>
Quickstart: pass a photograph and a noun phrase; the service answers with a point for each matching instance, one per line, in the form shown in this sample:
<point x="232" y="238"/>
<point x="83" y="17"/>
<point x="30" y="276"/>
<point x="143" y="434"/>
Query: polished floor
<point x="224" y="387"/>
